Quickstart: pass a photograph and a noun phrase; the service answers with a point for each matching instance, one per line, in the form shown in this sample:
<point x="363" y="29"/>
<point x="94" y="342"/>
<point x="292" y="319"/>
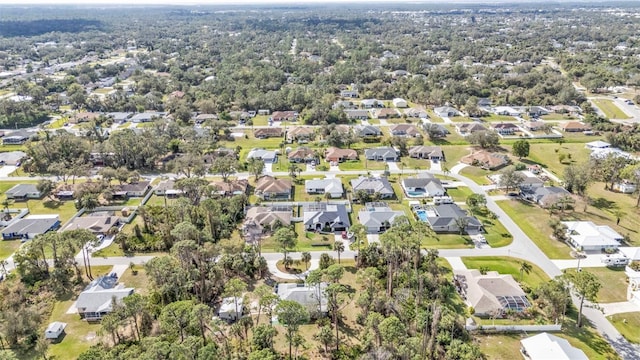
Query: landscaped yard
<point x="534" y="221"/>
<point x="66" y="209"/>
<point x="447" y="241"/>
<point x="508" y="265"/>
<point x="362" y="164"/>
<point x="628" y="325"/>
<point x="478" y="175"/>
<point x="496" y="234"/>
<point x="613" y="281"/>
<point x="307" y="241"/>
<point x="610" y="109"/>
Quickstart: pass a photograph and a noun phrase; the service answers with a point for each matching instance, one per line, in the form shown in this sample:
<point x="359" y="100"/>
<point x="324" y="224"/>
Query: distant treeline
<point x="38" y="27"/>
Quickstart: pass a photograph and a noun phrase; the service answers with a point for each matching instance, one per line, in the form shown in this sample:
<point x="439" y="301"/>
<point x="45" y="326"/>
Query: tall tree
<point x="291" y="314"/>
<point x="586" y="286"/>
<point x="286" y="240"/>
<point x="521" y="148"/>
<point x="255" y="167"/>
<point x="235" y="288"/>
<point x="510" y="178"/>
<point x="224" y="166"/>
<point x="338" y="246"/>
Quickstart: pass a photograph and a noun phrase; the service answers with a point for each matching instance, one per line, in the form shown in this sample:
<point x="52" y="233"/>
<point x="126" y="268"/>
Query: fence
<point x="513" y="328"/>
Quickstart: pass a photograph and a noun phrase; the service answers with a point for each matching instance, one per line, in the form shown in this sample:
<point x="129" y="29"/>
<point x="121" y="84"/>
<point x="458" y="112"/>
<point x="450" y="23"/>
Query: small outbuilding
<point x="231" y="309"/>
<point x="54" y="330"/>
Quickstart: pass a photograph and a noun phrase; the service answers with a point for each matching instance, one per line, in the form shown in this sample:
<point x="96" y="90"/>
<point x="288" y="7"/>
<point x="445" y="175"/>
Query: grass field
<point x="628" y="325"/>
<point x="139" y="281"/>
<point x="610" y="109"/>
<point x="447" y="241"/>
<point x="460" y="193"/>
<point x="307" y="241"/>
<point x="534" y="220"/>
<point x="478" y="175"/>
<point x="8" y="247"/>
<point x="614" y="284"/>
<point x="508" y="265"/>
<point x="547" y="155"/>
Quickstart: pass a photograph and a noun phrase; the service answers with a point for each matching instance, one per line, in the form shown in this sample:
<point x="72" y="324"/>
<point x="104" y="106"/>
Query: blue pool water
<point x="422" y="214"/>
<point x="415" y="193"/>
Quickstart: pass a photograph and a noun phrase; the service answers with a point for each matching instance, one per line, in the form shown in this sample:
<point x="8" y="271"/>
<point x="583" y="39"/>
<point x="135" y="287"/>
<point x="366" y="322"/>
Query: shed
<point x="54" y="330"/>
<point x="228" y="309"/>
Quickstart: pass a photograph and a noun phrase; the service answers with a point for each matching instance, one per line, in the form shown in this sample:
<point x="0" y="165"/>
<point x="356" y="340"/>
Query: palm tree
<point x="338" y="246"/>
<point x="525" y="267"/>
<point x="306" y="259"/>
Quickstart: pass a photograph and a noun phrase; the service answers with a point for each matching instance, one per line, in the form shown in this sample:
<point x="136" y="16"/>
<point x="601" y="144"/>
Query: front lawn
<point x="628" y="325"/>
<point x="547" y="155"/>
<point x="508" y="265"/>
<point x="45" y="206"/>
<point x="610" y="109"/>
<point x="8" y="247"/>
<point x="447" y="241"/>
<point x="460" y="193"/>
<point x="613" y="281"/>
<point x="534" y="221"/>
<point x="478" y="175"/>
<point x="307" y="241"/>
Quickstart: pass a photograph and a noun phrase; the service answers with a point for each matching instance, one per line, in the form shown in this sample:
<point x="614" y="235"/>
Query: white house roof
<point x="602" y="153"/>
<point x="586" y="233"/>
<point x="304" y="295"/>
<point x="632" y="253"/>
<point x="55" y="327"/>
<point x="229" y="305"/>
<point x="546" y="346"/>
<point x="598" y="144"/>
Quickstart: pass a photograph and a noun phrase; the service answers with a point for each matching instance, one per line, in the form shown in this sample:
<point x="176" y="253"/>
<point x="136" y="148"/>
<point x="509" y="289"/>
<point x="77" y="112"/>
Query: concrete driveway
<point x="268" y="167"/>
<point x="393" y="166"/>
<point x="6" y="170"/>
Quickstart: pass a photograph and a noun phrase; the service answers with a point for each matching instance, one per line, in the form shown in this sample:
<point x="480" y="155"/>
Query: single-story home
<point x="387" y="113"/>
<point x="344" y="104"/>
<point x="135" y="189"/>
<point x="587" y="236"/>
<point x="301" y="133"/>
<point x="12" y="157"/>
<point x="373" y="185"/>
<point x="98" y="297"/>
<point x="400" y="103"/>
<point x="506" y="110"/>
<point x="99" y="225"/>
<point x="537" y="111"/>
<point x="355" y="114"/>
<point x="544" y="196"/>
<point x="486" y="160"/>
<point x="416" y="113"/>
<point x="371" y="103"/>
<point x="378" y="217"/>
<point x="545" y="346"/>
<point x="231" y="309"/>
<point x="598" y="144"/>
<point x="30" y="227"/>
<point x="506" y="128"/>
<point x="325" y="217"/>
<point x="270" y="188"/>
<point x="367" y="131"/>
<point x="268" y="156"/>
<point x="334" y="154"/>
<point x="469" y="128"/>
<point x="18" y="137"/>
<point x="405" y="130"/>
<point x="606" y="152"/>
<point x="446" y="111"/>
<point x="625" y="187"/>
<point x="446" y="218"/>
<point x="435" y="130"/>
<point x="146" y="117"/>
<point x="331" y="186"/>
<point x="491" y="294"/>
<point x="426" y="152"/>
<point x="260" y="219"/>
<point x="349" y="94"/>
<point x="167" y="188"/>
<point x="23" y="192"/>
<point x="382" y="153"/>
<point x="423" y="185"/>
<point x="303" y="155"/>
<point x="574" y="126"/>
<point x="119" y="117"/>
<point x="231" y="187"/>
<point x="284" y="116"/>
<point x="312" y="297"/>
<point x="268" y="132"/>
<point x="54" y="330"/>
<point x="534" y="125"/>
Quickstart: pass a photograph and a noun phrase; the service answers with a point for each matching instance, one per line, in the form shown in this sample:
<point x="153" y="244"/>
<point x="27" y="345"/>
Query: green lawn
<point x="362" y="164"/>
<point x="412" y="164"/>
<point x="534" y="221"/>
<point x="547" y="155"/>
<point x="610" y="109"/>
<point x="460" y="193"/>
<point x="498" y="118"/>
<point x="66" y="209"/>
<point x="8" y="247"/>
<point x="496" y="234"/>
<point x="628" y="325"/>
<point x="139" y="281"/>
<point x="508" y="265"/>
<point x="613" y="281"/>
<point x="306" y="241"/>
<point x="447" y="241"/>
<point x="454" y="153"/>
<point x="555" y="116"/>
<point x="478" y="175"/>
<point x="260" y="120"/>
<point x="605" y="203"/>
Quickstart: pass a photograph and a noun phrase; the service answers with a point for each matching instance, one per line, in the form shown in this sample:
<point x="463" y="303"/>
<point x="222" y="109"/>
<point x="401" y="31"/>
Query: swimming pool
<point x="416" y="193"/>
<point x="422" y="215"/>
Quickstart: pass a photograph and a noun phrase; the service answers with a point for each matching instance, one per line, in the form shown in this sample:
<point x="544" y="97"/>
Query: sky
<point x="245" y="2"/>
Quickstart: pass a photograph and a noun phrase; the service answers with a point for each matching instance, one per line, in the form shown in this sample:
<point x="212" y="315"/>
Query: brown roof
<point x="334" y="154"/>
<point x="505" y="126"/>
<point x="230" y="187"/>
<point x="409" y="129"/>
<point x="261" y="216"/>
<point x="270" y="131"/>
<point x="301" y="131"/>
<point x="269" y="184"/>
<point x="387" y="112"/>
<point x="575" y="125"/>
<point x="471" y="127"/>
<point x="486" y="159"/>
<point x="283" y="115"/>
<point x="302" y="153"/>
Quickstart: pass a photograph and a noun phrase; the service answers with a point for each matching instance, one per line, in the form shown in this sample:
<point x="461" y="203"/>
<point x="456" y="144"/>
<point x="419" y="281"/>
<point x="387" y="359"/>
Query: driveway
<point x="447" y="120"/>
<point x="6" y="170"/>
<point x="619" y="308"/>
<point x="435" y="165"/>
<point x="457" y="167"/>
<point x="268" y="167"/>
<point x="393" y="166"/>
<point x="456" y="263"/>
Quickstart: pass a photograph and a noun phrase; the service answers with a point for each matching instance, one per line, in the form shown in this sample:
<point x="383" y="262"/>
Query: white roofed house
<point x="587" y="236"/>
<point x="333" y="187"/>
<point x="314" y="298"/>
<point x="231" y="309"/>
<point x="446" y="111"/>
<point x="378" y="217"/>
<point x="545" y="346"/>
<point x="99" y="296"/>
<point x="400" y="103"/>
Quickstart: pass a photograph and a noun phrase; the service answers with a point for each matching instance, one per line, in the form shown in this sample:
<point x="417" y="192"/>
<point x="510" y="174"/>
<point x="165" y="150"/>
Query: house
<point x="99" y="225"/>
<point x="405" y="130"/>
<point x="587" y="236"/>
<point x="545" y="346"/>
<point x="301" y="133"/>
<point x="446" y="111"/>
<point x="505" y="128"/>
<point x="491" y="294"/>
<point x="534" y="125"/>
<point x="119" y="117"/>
<point x="382" y="153"/>
<point x="99" y="296"/>
<point x="344" y="104"/>
<point x="484" y="102"/>
<point x="446" y="218"/>
<point x="373" y="185"/>
<point x="486" y="160"/>
<point x="268" y="132"/>
<point x="29" y="227"/>
<point x="240" y="115"/>
<point x="433" y="153"/>
<point x="201" y="118"/>
<point x="371" y="103"/>
<point x="332" y="186"/>
<point x="530" y="181"/>
<point x="231" y="309"/>
<point x="12" y="157"/>
<point x="387" y="113"/>
<point x="167" y="188"/>
<point x="17" y="137"/>
<point x="423" y="184"/>
<point x="602" y="154"/>
<point x="135" y="189"/>
<point x="23" y="192"/>
<point x="303" y="155"/>
<point x="536" y="111"/>
<point x="312" y="297"/>
<point x="469" y="128"/>
<point x="574" y="126"/>
<point x="325" y="217"/>
<point x="435" y="130"/>
<point x="400" y="103"/>
<point x="506" y="110"/>
<point x="367" y="131"/>
<point x="633" y="288"/>
<point x="270" y="188"/>
<point x="353" y="114"/>
<point x="284" y="116"/>
<point x="545" y="196"/>
<point x="334" y="154"/>
<point x="54" y="330"/>
<point x="146" y="117"/>
<point x="377" y="217"/>
<point x="625" y="187"/>
<point x="260" y="219"/>
<point x="598" y="144"/>
<point x="231" y="187"/>
<point x="264" y="111"/>
<point x="416" y="113"/>
<point x="268" y="156"/>
<point x="349" y="94"/>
